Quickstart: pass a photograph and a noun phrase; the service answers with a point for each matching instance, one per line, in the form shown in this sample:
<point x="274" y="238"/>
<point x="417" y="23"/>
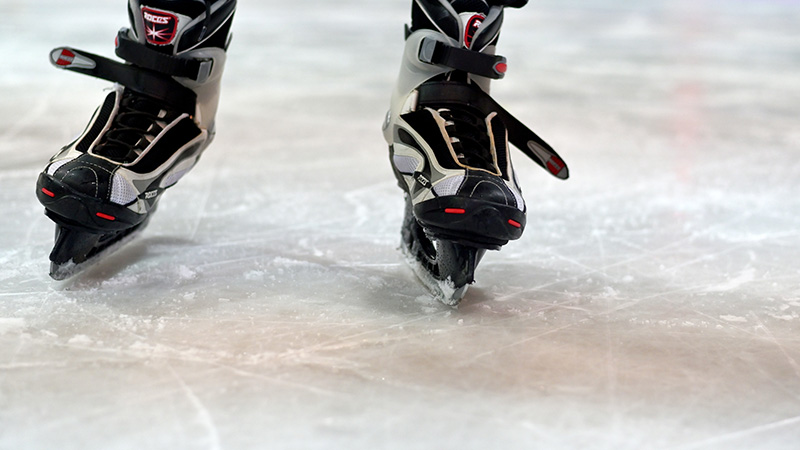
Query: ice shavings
<point x="185" y="273"/>
<point x="80" y="340"/>
<point x="745" y="276"/>
<point x="734" y="319"/>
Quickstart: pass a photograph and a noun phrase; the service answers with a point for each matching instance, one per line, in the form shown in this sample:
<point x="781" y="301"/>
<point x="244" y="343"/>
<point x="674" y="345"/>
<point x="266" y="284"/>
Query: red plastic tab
<point x="65" y="58"/>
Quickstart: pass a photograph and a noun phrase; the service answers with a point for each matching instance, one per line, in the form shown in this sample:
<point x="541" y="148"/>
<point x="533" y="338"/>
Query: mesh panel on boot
<point x="122" y="192"/>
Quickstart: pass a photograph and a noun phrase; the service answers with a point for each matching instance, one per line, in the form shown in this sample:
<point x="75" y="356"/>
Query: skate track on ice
<point x="653" y="302"/>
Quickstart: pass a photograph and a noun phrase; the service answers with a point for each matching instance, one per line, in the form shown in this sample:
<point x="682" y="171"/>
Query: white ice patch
<point x="80" y="339"/>
<point x="609" y="292"/>
<point x="745" y="276"/>
<point x="786" y="317"/>
<point x="185" y="273"/>
<point x="288" y="262"/>
<point x="254" y="275"/>
<point x="11" y="325"/>
<point x="734" y="319"/>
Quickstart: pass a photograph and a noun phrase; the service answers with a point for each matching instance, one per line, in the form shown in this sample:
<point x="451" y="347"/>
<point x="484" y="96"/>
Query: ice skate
<point x="101" y="189"/>
<point x="448" y="144"/>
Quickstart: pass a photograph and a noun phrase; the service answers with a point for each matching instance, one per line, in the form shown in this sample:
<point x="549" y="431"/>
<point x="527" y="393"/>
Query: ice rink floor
<point x="653" y="302"/>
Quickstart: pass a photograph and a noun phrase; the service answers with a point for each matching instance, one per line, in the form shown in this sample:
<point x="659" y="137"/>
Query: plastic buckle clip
<point x="204" y="69"/>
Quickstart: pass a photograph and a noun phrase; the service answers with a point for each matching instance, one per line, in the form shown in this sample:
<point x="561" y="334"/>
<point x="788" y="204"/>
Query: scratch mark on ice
<point x="261" y="376"/>
<point x="736" y="436"/>
<point x="774" y="340"/>
<point x="526" y="340"/>
<point x="202" y="412"/>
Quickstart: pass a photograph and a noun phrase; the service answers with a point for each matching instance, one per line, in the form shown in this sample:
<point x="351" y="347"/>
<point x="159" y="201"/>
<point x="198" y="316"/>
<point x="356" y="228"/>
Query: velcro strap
<point x="144" y="81"/>
<point x="197" y="69"/>
<point x="432" y="51"/>
<point x="442" y="93"/>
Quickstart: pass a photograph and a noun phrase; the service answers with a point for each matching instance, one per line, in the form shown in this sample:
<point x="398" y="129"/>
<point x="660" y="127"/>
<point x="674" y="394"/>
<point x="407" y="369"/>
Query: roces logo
<point x="472" y="27"/>
<point x="159" y="27"/>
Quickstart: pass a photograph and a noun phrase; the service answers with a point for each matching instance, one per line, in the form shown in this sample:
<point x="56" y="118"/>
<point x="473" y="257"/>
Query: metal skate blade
<point x="60" y="272"/>
<point x="444" y="291"/>
<point x="69" y="269"/>
<point x="72" y="245"/>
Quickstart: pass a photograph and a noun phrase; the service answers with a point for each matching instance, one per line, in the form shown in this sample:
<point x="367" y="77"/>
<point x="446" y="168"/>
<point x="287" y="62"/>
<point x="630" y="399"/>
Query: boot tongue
<point x="472" y="13"/>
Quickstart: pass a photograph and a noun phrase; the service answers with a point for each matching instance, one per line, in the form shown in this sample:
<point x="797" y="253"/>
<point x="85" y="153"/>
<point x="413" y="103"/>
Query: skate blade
<point x="444" y="291"/>
<point x="69" y="269"/>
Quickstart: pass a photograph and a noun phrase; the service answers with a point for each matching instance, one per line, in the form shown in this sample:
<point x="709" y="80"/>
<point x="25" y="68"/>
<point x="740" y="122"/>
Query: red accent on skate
<point x="514" y="223"/>
<point x="555" y="165"/>
<point x="472" y="27"/>
<point x="65" y="58"/>
<point x="48" y="193"/>
<point x="106" y="216"/>
<point x="455" y="211"/>
<point x="501" y="68"/>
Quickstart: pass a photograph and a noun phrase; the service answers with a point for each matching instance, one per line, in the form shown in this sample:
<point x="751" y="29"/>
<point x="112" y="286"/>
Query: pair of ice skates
<point x="448" y="140"/>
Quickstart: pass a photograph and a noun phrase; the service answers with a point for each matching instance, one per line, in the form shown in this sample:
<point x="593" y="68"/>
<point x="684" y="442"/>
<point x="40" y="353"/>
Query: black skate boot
<point x="101" y="189"/>
<point x="448" y="143"/>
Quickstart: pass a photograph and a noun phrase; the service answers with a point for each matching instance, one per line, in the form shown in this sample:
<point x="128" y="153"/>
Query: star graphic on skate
<point x="155" y="35"/>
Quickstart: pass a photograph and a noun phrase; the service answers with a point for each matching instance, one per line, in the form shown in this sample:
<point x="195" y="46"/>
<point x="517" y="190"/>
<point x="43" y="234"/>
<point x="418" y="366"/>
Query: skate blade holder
<point x="433" y="51"/>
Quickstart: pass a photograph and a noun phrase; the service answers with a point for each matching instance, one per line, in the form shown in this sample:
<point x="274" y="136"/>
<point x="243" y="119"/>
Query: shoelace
<point x="137" y="123"/>
<point x="469" y="137"/>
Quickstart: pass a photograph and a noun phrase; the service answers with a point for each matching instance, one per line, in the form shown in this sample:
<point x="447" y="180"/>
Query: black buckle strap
<point x="197" y="69"/>
<point x="432" y="51"/>
<point x="443" y="93"/>
<point x="138" y="79"/>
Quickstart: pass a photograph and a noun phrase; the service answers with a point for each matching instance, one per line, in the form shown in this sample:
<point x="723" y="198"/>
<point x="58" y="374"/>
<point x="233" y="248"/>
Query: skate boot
<point x="101" y="189"/>
<point x="449" y="140"/>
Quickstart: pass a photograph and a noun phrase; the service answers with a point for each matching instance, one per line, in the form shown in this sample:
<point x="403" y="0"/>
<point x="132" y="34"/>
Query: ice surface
<point x="654" y="301"/>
